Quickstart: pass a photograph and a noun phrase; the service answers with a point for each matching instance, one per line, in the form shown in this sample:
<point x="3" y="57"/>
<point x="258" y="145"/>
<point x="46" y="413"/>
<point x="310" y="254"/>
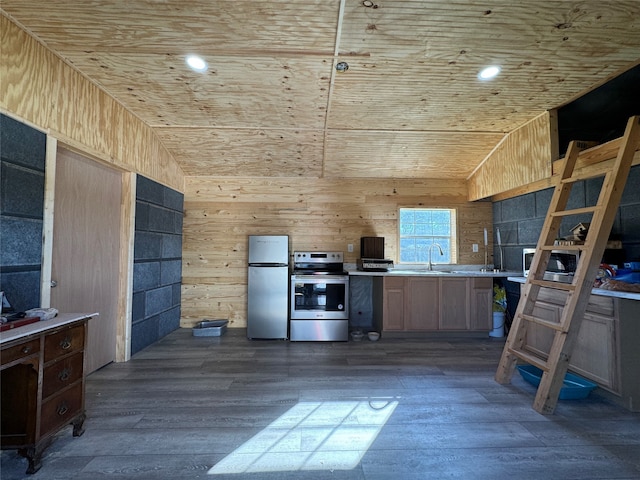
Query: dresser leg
<point x="78" y="425"/>
<point x="33" y="456"/>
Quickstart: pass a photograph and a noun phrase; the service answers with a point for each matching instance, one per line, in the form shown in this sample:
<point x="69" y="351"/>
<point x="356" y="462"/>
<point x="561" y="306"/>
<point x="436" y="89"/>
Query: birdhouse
<point x="579" y="232"/>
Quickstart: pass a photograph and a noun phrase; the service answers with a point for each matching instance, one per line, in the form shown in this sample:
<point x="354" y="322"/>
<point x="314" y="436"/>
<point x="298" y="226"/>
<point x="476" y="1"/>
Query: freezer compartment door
<point x="265" y="249"/>
<point x="268" y="302"/>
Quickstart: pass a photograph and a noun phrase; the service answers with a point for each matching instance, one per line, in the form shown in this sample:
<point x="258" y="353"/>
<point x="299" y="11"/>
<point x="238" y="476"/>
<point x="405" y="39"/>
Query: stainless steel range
<point x="319" y="308"/>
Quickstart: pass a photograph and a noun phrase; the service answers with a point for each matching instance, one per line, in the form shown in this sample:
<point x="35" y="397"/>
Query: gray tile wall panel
<point x="138" y="306"/>
<point x="22" y="191"/>
<point x="542" y="199"/>
<point x="178" y="219"/>
<point x="529" y="231"/>
<point x="143" y="334"/>
<point x="173" y="199"/>
<point x="161" y="219"/>
<point x="147" y="246"/>
<point x="22" y="164"/>
<point x="630" y="220"/>
<point x="631" y="193"/>
<point x="21" y="242"/>
<point x="172" y="246"/>
<point x="158" y="300"/>
<point x="142" y="216"/>
<point x="177" y="294"/>
<point x="519" y="208"/>
<point x="149" y="191"/>
<point x="592" y="190"/>
<point x="22" y="144"/>
<point x="22" y="288"/>
<point x="158" y="262"/>
<point x="168" y="321"/>
<point x="170" y="272"/>
<point x="146" y="276"/>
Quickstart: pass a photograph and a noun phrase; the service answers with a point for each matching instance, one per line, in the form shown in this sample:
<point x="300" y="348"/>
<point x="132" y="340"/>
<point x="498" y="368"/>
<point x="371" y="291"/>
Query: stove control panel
<point x="318" y="257"/>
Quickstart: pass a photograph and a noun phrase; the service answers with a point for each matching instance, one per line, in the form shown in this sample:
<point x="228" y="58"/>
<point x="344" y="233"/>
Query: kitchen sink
<point x="418" y="272"/>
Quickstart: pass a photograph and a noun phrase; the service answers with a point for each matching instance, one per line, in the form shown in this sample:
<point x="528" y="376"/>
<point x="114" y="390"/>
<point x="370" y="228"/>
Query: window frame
<point x="453" y="238"/>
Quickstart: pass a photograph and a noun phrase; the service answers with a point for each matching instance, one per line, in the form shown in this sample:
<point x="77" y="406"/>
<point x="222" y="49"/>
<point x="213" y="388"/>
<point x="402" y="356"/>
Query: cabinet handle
<point x="26" y="349"/>
<point x="66" y="343"/>
<point x="62" y="409"/>
<point x="64" y="375"/>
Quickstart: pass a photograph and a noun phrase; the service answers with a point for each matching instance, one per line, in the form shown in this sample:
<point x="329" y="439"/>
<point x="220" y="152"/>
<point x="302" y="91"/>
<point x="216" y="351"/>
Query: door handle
<point x="54" y="284"/>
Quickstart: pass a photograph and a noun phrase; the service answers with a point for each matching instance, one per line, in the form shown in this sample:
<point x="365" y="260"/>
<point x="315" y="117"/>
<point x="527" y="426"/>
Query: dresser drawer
<point x="17" y="352"/>
<point x="63" y="342"/>
<point x="61" y="374"/>
<point x="60" y="409"/>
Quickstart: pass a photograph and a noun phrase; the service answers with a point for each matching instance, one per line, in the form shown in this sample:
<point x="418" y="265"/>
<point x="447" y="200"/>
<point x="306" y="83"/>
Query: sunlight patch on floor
<point x="312" y="436"/>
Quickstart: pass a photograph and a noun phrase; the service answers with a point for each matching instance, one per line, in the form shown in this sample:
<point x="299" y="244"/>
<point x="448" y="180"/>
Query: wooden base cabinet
<point x="606" y="351"/>
<point x="435" y="303"/>
<point x="42" y="388"/>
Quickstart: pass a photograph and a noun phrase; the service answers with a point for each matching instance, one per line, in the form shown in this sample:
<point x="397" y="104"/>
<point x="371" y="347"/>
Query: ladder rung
<point x="575" y="211"/>
<point x="578" y="177"/>
<point x="530" y="358"/>
<point x="543" y="322"/>
<point x="551" y="284"/>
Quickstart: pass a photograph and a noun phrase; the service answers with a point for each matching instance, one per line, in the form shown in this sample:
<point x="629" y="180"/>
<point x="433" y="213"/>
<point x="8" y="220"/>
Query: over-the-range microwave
<point x="562" y="263"/>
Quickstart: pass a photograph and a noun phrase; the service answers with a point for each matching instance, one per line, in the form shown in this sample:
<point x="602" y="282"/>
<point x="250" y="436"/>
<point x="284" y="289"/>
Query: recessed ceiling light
<point x="342" y="66"/>
<point x="196" y="63"/>
<point x="489" y="72"/>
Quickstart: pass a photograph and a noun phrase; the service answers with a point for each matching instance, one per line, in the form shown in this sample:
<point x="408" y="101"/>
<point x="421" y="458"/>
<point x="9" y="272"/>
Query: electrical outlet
<point x="350" y="248"/>
<point x="475" y="248"/>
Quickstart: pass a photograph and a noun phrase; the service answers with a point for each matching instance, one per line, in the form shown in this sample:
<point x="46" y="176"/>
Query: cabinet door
<point x="454" y="307"/>
<point x="423" y="296"/>
<point x="539" y="338"/>
<point x="481" y="304"/>
<point x="393" y="303"/>
<point x="594" y="355"/>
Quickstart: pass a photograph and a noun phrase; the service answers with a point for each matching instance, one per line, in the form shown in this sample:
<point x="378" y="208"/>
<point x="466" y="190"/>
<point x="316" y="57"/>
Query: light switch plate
<point x="475" y="247"/>
<point x="350" y="248"/>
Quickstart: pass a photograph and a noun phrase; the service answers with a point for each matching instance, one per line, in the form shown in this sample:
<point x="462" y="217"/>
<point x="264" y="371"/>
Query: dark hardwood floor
<point x="407" y="408"/>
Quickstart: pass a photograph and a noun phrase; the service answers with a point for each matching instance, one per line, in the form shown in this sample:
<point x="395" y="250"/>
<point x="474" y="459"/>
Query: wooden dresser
<point x="42" y="384"/>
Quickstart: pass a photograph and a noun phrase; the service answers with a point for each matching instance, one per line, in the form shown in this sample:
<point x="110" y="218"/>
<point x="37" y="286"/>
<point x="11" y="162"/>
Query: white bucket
<point x="498" y="325"/>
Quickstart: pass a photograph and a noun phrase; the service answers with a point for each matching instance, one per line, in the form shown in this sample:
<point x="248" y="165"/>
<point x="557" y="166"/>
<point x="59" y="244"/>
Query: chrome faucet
<point x="430" y="247"/>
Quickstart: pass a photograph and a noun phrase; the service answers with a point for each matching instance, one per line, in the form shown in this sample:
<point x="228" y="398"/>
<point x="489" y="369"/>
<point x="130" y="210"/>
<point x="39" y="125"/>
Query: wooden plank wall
<point x="40" y="89"/>
<point x="317" y="214"/>
<point x="523" y="157"/>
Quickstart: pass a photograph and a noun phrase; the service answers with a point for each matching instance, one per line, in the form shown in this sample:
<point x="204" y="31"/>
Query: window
<point x="422" y="227"/>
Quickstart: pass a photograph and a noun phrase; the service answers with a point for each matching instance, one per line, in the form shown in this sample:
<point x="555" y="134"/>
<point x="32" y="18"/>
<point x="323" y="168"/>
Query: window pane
<point x="407" y="250"/>
<point x="423" y="229"/>
<point x="441" y="216"/>
<point x="407" y="229"/>
<point x="441" y="229"/>
<point x="423" y="216"/>
<point x="422" y="250"/>
<point x="419" y="229"/>
<point x="406" y="215"/>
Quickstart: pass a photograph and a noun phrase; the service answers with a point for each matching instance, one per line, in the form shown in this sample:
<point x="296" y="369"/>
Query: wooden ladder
<point x="554" y="366"/>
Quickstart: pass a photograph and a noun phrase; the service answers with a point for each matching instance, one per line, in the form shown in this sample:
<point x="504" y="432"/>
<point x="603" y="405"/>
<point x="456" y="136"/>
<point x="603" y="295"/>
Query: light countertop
<point x="595" y="291"/>
<point x="438" y="271"/>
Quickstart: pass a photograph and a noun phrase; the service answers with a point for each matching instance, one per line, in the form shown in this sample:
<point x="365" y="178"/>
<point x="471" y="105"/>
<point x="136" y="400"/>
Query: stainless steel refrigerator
<point x="268" y="288"/>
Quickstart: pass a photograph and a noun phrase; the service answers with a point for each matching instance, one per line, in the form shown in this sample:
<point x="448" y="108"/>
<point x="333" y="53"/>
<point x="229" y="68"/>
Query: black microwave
<point x="561" y="262"/>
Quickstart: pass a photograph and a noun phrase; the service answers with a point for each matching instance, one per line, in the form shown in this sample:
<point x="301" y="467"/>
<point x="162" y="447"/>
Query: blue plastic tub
<point x="574" y="387"/>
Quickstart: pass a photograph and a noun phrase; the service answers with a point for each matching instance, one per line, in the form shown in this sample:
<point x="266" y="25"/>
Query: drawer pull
<point x="62" y="409"/>
<point x="65" y="343"/>
<point x="26" y="349"/>
<point x="64" y="375"/>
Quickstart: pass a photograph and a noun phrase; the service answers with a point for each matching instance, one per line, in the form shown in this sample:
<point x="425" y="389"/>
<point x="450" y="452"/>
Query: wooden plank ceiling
<point x="271" y="103"/>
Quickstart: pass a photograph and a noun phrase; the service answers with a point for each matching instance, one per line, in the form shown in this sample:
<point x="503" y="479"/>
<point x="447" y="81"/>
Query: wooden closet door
<point x="85" y="257"/>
